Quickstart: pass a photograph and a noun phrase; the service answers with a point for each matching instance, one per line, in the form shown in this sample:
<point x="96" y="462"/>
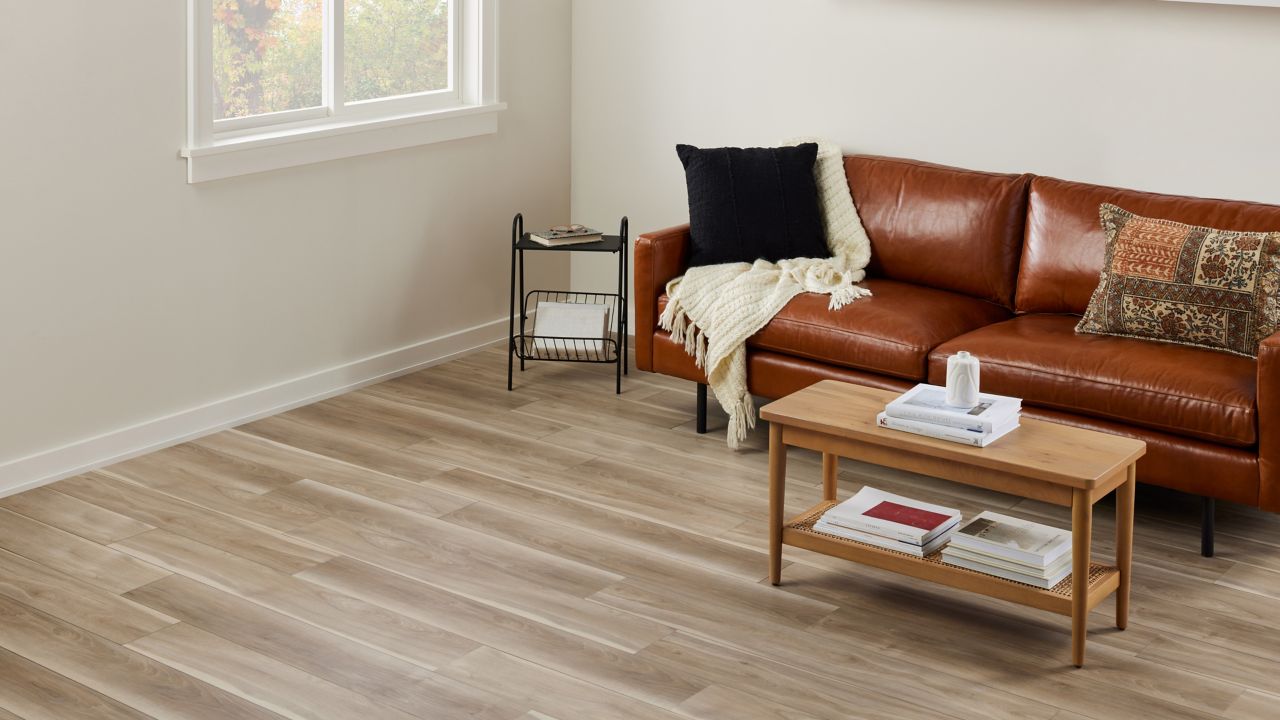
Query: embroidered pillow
<point x="1163" y="280"/>
<point x="747" y="204"/>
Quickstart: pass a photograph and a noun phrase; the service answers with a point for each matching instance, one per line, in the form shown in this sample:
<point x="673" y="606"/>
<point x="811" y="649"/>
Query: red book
<point x="903" y="515"/>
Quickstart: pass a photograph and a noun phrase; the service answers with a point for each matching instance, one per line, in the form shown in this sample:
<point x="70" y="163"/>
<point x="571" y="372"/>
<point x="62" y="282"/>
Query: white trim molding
<point x="333" y="141"/>
<point x="52" y="465"/>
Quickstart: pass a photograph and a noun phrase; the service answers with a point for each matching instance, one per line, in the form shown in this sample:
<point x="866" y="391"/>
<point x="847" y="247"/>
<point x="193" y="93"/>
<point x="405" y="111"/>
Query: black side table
<point x="527" y="346"/>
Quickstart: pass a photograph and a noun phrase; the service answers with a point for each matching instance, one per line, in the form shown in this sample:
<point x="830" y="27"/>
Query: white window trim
<point x="298" y="137"/>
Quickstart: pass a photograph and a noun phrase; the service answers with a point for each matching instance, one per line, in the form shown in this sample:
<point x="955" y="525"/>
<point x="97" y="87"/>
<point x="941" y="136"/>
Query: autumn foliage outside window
<point x="268" y="55"/>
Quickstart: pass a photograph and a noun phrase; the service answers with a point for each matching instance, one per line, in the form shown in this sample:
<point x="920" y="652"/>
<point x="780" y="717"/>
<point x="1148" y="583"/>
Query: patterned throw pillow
<point x="1183" y="284"/>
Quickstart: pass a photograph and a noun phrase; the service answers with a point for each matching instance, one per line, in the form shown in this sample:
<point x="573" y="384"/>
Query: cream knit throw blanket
<point x="714" y="309"/>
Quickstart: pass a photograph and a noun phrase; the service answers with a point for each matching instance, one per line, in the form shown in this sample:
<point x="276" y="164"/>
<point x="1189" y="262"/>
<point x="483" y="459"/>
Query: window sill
<point x="332" y="141"/>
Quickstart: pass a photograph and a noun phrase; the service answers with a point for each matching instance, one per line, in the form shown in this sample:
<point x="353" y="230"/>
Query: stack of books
<point x="566" y="235"/>
<point x="1012" y="548"/>
<point x="923" y="410"/>
<point x="890" y="521"/>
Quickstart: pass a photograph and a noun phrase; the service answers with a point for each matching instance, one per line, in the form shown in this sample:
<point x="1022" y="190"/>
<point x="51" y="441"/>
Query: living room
<point x="281" y="437"/>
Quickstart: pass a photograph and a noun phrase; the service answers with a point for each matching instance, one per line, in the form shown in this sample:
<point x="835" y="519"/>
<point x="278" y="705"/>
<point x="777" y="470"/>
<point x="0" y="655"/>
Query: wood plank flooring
<point x="436" y="547"/>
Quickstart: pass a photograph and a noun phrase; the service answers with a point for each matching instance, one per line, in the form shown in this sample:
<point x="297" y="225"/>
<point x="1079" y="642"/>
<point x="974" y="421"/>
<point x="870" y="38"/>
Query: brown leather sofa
<point x="1003" y="266"/>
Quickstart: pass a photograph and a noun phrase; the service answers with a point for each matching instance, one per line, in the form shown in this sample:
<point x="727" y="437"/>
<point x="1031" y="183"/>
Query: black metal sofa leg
<point x="702" y="409"/>
<point x="1206" y="526"/>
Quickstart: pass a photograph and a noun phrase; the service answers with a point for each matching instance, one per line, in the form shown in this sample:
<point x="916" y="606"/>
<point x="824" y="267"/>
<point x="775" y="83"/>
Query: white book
<point x="947" y="432"/>
<point x="928" y="403"/>
<point x="1039" y="582"/>
<point x="1014" y="538"/>
<point x="585" y="324"/>
<point x="971" y="555"/>
<point x="893" y="516"/>
<point x="884" y="542"/>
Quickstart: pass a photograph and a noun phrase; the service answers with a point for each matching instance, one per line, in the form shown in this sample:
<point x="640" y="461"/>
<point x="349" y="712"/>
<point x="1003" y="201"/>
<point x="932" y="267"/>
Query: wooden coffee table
<point x="1044" y="461"/>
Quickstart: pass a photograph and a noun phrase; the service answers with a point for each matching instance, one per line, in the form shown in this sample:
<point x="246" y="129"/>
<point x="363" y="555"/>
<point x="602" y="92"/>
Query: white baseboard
<point x="51" y="465"/>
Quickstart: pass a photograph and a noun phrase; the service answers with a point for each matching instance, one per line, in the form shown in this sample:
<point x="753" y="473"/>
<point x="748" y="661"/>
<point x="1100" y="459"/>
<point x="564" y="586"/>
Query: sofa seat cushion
<point x="1176" y="389"/>
<point x="890" y="333"/>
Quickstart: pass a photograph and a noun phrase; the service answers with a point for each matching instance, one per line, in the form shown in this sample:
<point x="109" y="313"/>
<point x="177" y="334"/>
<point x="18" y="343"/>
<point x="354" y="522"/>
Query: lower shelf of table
<point x="799" y="532"/>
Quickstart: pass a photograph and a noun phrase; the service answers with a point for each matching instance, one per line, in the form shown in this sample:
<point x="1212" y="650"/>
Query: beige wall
<point x="127" y="295"/>
<point x="1156" y="95"/>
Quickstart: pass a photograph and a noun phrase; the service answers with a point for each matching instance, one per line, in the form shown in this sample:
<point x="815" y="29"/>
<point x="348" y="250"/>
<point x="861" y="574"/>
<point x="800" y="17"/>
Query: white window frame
<point x="218" y="149"/>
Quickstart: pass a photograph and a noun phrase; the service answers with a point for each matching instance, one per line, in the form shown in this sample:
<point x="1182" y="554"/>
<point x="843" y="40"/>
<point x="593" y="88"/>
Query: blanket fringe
<point x="845" y="295"/>
<point x="742" y="417"/>
<point x="675" y="321"/>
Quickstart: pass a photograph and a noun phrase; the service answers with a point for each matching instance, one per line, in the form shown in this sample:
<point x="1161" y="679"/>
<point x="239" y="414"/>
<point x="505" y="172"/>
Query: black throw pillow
<point x="751" y="203"/>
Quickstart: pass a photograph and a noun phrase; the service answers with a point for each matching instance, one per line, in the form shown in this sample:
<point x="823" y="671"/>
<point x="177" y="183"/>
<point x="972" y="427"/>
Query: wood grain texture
<point x="544" y="644"/>
<point x="75" y="601"/>
<point x="354" y="619"/>
<point x="38" y="693"/>
<point x="280" y="688"/>
<point x="112" y="670"/>
<point x="438" y="547"/>
<point x="1055" y="453"/>
<point x="193" y="521"/>
<point x="326" y="655"/>
<point x="109" y="569"/>
<point x="89" y="521"/>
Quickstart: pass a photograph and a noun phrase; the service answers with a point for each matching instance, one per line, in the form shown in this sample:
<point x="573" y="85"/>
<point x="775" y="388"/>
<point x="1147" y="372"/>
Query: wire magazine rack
<point x="609" y="348"/>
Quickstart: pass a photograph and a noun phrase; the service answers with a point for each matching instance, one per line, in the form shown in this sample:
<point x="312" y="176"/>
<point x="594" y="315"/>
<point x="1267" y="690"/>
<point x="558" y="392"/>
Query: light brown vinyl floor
<point x="436" y="547"/>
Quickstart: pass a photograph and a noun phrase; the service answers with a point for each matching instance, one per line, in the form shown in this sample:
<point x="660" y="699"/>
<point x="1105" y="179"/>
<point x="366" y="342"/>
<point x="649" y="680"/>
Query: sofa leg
<point x="702" y="409"/>
<point x="1206" y="526"/>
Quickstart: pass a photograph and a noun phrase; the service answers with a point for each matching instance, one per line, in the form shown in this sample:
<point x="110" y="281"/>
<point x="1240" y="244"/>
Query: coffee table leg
<point x="1124" y="544"/>
<point x="830" y="467"/>
<point x="777" y="488"/>
<point x="1081" y="539"/>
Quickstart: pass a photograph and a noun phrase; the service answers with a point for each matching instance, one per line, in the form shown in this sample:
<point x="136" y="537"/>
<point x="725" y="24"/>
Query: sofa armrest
<point x="1269" y="423"/>
<point x="659" y="258"/>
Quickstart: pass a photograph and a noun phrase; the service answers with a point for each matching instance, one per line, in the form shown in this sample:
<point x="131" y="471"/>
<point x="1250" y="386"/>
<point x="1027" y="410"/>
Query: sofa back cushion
<point x="1065" y="248"/>
<point x="942" y="227"/>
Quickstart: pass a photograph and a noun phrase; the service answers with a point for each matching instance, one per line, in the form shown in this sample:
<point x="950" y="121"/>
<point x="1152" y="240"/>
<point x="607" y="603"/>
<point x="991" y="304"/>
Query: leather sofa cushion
<point x="890" y="332"/>
<point x="942" y="227"/>
<point x="769" y="374"/>
<point x="1171" y="388"/>
<point x="1065" y="246"/>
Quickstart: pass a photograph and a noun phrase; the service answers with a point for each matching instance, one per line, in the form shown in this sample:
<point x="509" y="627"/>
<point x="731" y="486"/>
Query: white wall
<point x="1160" y="96"/>
<point x="127" y="295"/>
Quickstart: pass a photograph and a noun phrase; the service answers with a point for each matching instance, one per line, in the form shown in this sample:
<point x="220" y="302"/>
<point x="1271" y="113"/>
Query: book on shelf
<point x="1014" y="539"/>
<point x="892" y="516"/>
<point x="928" y="403"/>
<point x="976" y="556"/>
<point x="822" y="525"/>
<point x="568" y="329"/>
<point x="1035" y="580"/>
<point x="948" y="432"/>
<point x="574" y="235"/>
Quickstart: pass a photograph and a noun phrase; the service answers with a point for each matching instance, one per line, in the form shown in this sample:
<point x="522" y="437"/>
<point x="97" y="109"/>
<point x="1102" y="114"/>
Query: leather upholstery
<point x="1269" y="423"/>
<point x="776" y="375"/>
<point x="1211" y="420"/>
<point x="1175" y="389"/>
<point x="659" y="258"/>
<point x="1176" y="462"/>
<point x="942" y="227"/>
<point x="770" y="375"/>
<point x="1065" y="245"/>
<point x="890" y="332"/>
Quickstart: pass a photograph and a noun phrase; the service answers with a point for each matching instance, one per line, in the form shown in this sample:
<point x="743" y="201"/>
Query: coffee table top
<point x="1060" y="454"/>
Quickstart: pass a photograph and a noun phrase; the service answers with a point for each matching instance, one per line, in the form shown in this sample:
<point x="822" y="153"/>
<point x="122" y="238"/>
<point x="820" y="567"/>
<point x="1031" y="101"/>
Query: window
<point x="276" y="83"/>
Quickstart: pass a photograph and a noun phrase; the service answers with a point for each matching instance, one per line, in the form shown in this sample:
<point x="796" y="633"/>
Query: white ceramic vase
<point x="962" y="380"/>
